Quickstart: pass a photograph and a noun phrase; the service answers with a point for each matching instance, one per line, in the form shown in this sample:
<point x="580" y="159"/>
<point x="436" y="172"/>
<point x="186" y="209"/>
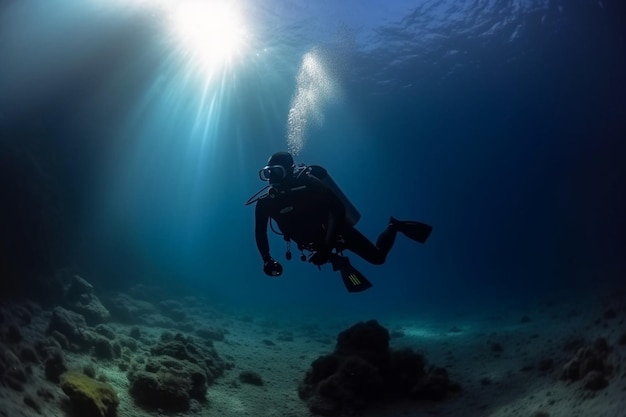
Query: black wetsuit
<point x="302" y="210"/>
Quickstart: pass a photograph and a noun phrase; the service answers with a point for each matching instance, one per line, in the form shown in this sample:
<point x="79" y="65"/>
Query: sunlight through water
<point x="205" y="43"/>
<point x="212" y="33"/>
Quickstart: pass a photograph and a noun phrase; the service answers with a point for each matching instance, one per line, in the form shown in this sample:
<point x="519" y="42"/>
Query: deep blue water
<point x="501" y="123"/>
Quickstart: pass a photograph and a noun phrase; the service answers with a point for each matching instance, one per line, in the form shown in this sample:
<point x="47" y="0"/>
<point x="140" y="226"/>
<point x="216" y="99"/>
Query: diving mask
<point x="273" y="173"/>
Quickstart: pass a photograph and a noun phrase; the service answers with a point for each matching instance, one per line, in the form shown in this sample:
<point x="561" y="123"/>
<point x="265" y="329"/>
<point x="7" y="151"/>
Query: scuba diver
<point x="310" y="210"/>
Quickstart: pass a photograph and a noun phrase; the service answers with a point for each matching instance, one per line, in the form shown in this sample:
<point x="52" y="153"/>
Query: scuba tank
<point x="352" y="214"/>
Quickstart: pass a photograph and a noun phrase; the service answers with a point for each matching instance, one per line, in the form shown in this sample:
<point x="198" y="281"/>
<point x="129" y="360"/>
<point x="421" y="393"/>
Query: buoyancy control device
<point x="352" y="214"/>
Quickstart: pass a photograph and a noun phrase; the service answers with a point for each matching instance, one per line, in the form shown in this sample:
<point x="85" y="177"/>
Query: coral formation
<point x="162" y="390"/>
<point x="80" y="298"/>
<point x="70" y="324"/>
<point x="102" y="347"/>
<point x="54" y="365"/>
<point x="177" y="371"/>
<point x="363" y="370"/>
<point x="89" y="397"/>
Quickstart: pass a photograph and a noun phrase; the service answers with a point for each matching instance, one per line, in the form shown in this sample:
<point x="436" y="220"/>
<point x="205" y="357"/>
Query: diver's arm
<point x="261" y="217"/>
<point x="260" y="231"/>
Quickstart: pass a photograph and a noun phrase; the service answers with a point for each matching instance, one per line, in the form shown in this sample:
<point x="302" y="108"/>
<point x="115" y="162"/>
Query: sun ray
<point x="212" y="34"/>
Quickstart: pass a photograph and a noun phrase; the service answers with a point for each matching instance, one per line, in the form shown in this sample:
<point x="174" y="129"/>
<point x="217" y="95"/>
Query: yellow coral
<point x="90" y="398"/>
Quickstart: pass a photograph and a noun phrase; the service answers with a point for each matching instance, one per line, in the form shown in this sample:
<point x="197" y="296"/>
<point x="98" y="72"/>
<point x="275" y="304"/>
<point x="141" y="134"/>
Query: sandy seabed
<point x="509" y="363"/>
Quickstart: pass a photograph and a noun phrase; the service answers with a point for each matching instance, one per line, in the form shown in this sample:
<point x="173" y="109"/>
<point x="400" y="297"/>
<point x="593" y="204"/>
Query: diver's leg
<point x="416" y="231"/>
<point x="356" y="242"/>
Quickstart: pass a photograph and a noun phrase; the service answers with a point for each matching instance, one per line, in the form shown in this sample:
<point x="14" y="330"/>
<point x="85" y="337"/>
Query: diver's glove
<point x="271" y="267"/>
<point x="321" y="256"/>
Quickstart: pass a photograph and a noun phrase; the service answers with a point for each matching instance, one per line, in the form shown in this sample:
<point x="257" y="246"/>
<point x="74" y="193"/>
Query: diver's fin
<point x="352" y="278"/>
<point x="417" y="231"/>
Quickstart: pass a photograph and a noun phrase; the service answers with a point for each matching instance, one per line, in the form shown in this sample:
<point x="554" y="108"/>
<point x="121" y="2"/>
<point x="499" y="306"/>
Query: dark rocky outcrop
<point x="105" y="331"/>
<point x="173" y="309"/>
<point x="363" y="370"/>
<point x="210" y="333"/>
<point x="591" y="365"/>
<point x="102" y="347"/>
<point x="68" y="323"/>
<point x="12" y="373"/>
<point x="80" y="297"/>
<point x="177" y="371"/>
<point x="251" y="378"/>
<point x="54" y="364"/>
<point x="127" y="309"/>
